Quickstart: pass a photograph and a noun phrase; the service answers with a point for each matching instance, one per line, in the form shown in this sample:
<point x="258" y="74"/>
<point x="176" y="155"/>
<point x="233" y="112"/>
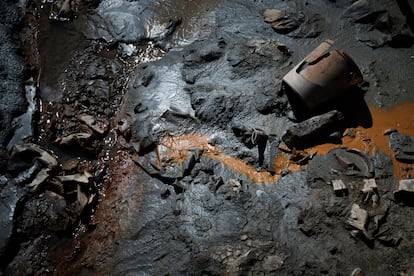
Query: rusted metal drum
<point x="323" y="76"/>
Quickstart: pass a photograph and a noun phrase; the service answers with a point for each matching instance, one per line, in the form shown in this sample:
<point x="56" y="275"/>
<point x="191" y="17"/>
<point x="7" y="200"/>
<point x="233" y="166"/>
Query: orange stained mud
<point x="179" y="146"/>
<point x="400" y="117"/>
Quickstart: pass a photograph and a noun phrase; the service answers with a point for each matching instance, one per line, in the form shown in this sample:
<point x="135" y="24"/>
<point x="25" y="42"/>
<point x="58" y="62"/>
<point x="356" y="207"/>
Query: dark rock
<point x="313" y="129"/>
<point x="143" y="137"/>
<point x="12" y="96"/>
<point x="32" y="257"/>
<point x="381" y="23"/>
<point x="213" y="51"/>
<point x="171" y="170"/>
<point x="272" y="15"/>
<point x="286" y="25"/>
<point x="312" y="26"/>
<point x="8" y="204"/>
<point x="383" y="165"/>
<point x="47" y="212"/>
<point x="402" y="146"/>
<point x="347" y="164"/>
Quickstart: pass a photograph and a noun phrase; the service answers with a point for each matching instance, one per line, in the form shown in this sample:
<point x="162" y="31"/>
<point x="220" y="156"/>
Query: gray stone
<point x="313" y="129"/>
<point x="403" y="147"/>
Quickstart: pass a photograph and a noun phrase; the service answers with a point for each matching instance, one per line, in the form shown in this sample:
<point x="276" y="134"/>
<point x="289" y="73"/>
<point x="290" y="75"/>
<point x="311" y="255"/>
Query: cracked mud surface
<point x="146" y="137"/>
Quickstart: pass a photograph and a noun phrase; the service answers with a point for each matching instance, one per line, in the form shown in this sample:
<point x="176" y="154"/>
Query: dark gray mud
<point x="155" y="137"/>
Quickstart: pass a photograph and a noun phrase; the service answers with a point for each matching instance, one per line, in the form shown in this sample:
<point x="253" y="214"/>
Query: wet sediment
<point x="160" y="142"/>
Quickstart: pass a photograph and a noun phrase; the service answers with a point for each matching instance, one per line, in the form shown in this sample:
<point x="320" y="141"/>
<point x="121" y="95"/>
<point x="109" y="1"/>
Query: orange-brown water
<point x="180" y="145"/>
<point x="400" y="117"/>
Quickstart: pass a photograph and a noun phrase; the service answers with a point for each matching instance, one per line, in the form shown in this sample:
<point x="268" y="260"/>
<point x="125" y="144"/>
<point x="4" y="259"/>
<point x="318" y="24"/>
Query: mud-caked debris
<point x="74" y="139"/>
<point x="339" y="187"/>
<point x="98" y="125"/>
<point x="82" y="178"/>
<point x="358" y="218"/>
<point x="405" y="191"/>
<point x="370" y="186"/>
<point x="313" y="130"/>
<point x="403" y="147"/>
<point x="32" y="164"/>
<point x="355" y="163"/>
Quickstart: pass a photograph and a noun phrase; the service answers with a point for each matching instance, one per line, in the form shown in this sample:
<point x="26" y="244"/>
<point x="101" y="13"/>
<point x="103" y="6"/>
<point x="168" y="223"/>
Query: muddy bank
<point x="161" y="144"/>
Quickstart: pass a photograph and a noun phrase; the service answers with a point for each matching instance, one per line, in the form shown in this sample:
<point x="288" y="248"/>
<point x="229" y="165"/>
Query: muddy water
<point x="367" y="140"/>
<point x="57" y="43"/>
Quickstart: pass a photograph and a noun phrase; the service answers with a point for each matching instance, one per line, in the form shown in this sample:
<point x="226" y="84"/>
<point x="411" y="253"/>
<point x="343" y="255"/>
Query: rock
<point x="286" y="25"/>
<point x="272" y="15"/>
<point x="142" y="137"/>
<point x="402" y="146"/>
<point x="358" y="218"/>
<point x="176" y="169"/>
<point x="339" y="187"/>
<point x="23" y="124"/>
<point x="312" y="130"/>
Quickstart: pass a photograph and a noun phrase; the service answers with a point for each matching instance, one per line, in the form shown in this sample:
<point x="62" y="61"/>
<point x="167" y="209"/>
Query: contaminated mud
<point x="147" y="137"/>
